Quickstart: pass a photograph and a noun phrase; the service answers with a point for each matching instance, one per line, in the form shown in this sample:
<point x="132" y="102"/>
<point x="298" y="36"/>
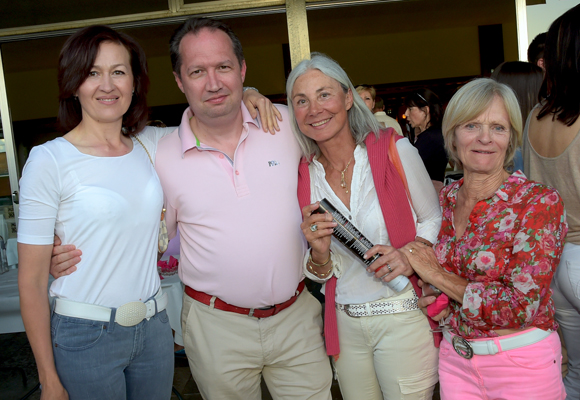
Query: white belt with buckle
<point x="129" y="314"/>
<point x="380" y="307"/>
<point x="467" y="348"/>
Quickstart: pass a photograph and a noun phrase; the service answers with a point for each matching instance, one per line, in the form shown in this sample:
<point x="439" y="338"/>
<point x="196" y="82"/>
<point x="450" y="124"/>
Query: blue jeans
<point x="566" y="287"/>
<point x="104" y="360"/>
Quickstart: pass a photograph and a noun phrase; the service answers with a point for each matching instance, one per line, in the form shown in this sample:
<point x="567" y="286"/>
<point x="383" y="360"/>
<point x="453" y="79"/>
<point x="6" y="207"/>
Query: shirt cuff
<point x="336" y="268"/>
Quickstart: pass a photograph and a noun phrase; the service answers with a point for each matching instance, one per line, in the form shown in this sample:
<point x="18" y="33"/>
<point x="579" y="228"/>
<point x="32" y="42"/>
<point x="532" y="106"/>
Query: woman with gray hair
<point x="386" y="348"/>
<point x="500" y="242"/>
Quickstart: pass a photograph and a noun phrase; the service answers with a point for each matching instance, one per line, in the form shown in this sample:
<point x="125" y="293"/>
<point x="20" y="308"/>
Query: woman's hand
<point x="423" y="261"/>
<point x="269" y="114"/>
<point x="53" y="392"/>
<point x="390" y="264"/>
<point x="317" y="228"/>
<point x="64" y="259"/>
<point x="429" y="297"/>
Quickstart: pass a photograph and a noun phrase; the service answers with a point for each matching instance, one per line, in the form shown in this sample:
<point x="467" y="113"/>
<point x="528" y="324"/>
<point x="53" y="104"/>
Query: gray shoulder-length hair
<point x="361" y="120"/>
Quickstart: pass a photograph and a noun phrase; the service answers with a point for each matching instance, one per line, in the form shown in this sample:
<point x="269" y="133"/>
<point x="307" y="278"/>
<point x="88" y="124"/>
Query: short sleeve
<point x="151" y="135"/>
<point x="40" y="196"/>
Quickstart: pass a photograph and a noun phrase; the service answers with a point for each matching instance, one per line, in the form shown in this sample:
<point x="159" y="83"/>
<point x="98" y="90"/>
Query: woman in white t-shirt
<point x="109" y="337"/>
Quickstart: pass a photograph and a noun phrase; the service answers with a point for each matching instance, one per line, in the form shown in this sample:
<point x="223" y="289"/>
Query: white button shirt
<point x="356" y="285"/>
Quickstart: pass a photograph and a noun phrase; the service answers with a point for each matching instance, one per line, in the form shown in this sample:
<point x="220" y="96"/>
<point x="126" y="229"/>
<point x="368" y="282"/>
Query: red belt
<point x="252" y="312"/>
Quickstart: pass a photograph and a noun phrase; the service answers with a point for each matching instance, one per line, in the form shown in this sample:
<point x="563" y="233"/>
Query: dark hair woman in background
<point x="424" y="113"/>
<point x="552" y="156"/>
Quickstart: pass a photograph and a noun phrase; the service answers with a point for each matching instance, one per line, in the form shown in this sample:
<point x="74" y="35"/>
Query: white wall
<point x="541" y="16"/>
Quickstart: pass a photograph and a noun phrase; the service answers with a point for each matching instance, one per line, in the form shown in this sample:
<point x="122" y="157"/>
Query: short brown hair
<point x="77" y="57"/>
<point x="194" y="25"/>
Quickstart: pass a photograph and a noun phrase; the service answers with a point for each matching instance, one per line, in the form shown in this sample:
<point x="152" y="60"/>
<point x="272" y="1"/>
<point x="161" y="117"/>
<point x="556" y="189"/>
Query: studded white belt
<point x="129" y="314"/>
<point x="380" y="308"/>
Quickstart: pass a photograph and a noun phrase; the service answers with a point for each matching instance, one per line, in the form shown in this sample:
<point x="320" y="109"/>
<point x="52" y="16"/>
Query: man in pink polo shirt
<point x="231" y="189"/>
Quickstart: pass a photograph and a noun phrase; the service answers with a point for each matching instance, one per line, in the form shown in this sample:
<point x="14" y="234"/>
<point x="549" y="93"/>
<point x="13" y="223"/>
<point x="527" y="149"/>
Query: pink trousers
<point x="528" y="373"/>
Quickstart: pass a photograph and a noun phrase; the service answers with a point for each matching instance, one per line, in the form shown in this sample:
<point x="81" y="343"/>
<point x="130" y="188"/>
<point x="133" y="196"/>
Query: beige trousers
<point x="386" y="356"/>
<point x="228" y="352"/>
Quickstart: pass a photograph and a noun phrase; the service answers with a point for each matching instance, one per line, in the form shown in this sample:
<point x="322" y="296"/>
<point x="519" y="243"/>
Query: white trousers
<point x="386" y="356"/>
<point x="228" y="353"/>
<point x="566" y="287"/>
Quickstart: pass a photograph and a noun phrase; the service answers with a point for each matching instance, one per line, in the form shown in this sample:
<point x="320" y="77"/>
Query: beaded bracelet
<point x="322" y="276"/>
<point x="316" y="264"/>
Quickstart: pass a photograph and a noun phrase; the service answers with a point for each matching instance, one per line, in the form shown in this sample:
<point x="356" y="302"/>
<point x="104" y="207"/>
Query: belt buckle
<point x="462" y="347"/>
<point x="131" y="314"/>
<point x="350" y="313"/>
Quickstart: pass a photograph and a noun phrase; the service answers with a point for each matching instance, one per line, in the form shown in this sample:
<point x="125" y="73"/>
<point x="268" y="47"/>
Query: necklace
<point x="342" y="179"/>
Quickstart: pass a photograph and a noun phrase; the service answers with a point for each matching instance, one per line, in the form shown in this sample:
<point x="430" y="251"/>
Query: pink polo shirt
<point x="239" y="219"/>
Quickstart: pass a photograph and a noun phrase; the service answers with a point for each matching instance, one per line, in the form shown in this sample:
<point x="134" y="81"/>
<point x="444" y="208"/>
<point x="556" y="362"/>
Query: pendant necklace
<point x="342" y="179"/>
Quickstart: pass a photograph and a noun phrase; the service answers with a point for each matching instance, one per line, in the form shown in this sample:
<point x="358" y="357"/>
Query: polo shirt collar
<point x="190" y="141"/>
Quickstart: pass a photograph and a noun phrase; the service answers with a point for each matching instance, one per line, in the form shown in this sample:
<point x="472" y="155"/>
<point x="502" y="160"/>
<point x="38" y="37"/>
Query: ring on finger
<point x="411" y="251"/>
<point x="313" y="227"/>
<point x="390" y="269"/>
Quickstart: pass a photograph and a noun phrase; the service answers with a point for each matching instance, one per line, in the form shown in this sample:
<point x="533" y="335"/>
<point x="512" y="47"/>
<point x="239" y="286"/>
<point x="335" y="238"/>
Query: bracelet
<point x="424" y="243"/>
<point x="316" y="264"/>
<point x="322" y="276"/>
<point x="250" y="88"/>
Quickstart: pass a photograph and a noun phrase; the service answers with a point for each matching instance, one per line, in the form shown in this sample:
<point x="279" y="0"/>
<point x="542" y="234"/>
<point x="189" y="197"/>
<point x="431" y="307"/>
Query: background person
<point x="552" y="156"/>
<point x="424" y="112"/>
<point x="387" y="353"/>
<point x="368" y="95"/>
<point x="500" y="242"/>
<point x="536" y="51"/>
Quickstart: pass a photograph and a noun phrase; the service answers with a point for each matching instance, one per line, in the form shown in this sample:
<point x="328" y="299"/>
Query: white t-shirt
<point x="109" y="207"/>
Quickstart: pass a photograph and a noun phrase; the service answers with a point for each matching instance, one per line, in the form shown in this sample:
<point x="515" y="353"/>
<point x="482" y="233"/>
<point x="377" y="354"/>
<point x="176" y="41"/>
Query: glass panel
<point x="36" y="12"/>
<point x="8" y="253"/>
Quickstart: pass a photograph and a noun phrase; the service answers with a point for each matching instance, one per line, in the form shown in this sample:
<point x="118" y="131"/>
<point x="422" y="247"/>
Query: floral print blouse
<point x="508" y="253"/>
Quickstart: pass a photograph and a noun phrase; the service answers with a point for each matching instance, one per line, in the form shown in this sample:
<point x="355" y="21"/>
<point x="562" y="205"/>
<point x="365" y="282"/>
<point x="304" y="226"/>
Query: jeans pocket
<point x="574" y="276"/>
<point x="75" y="334"/>
<point x="421" y="382"/>
<point x="536" y="356"/>
<point x="163" y="317"/>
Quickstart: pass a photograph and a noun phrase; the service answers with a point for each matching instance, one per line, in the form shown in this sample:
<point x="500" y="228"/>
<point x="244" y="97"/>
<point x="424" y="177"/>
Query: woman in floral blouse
<point x="500" y="241"/>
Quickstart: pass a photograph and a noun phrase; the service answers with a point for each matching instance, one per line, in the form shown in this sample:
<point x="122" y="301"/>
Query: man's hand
<point x="269" y="114"/>
<point x="64" y="259"/>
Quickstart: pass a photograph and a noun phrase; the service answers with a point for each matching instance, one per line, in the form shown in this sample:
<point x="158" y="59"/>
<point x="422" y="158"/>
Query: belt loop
<point x="251" y="313"/>
<point x="212" y="302"/>
<point x="490" y="346"/>
<point x="112" y="322"/>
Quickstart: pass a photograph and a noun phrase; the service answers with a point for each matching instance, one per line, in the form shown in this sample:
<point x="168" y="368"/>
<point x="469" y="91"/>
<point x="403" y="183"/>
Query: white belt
<point x="467" y="348"/>
<point x="129" y="314"/>
<point x="380" y="307"/>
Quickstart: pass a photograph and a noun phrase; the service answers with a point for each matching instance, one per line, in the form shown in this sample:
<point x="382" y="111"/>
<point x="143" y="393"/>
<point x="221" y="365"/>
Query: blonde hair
<point x="370" y="89"/>
<point x="471" y="101"/>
